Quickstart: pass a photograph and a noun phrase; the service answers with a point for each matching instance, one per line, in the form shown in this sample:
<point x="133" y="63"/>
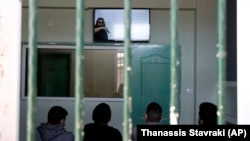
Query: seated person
<point x="100" y="130"/>
<point x="207" y="114"/>
<point x="153" y="116"/>
<point x="53" y="129"/>
<point x="100" y="31"/>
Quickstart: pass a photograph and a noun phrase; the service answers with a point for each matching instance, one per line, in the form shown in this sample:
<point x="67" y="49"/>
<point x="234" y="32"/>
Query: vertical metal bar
<point x="127" y="104"/>
<point x="79" y="70"/>
<point x="221" y="54"/>
<point x="174" y="85"/>
<point x="243" y="57"/>
<point x="32" y="70"/>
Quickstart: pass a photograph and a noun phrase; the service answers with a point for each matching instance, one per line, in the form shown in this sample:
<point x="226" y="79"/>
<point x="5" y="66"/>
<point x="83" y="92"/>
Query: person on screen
<point x="207" y="114"/>
<point x="100" y="130"/>
<point x="153" y="116"/>
<point x="100" y="31"/>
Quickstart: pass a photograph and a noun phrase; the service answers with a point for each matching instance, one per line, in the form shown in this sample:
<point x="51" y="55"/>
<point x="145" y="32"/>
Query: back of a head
<point x="56" y="114"/>
<point x="207" y="113"/>
<point x="154" y="112"/>
<point x="102" y="113"/>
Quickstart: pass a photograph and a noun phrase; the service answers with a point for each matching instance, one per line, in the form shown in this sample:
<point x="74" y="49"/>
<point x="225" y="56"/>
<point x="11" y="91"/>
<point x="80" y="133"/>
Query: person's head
<point x="100" y="22"/>
<point x="153" y="112"/>
<point x="57" y="115"/>
<point x="207" y="114"/>
<point x="102" y="113"/>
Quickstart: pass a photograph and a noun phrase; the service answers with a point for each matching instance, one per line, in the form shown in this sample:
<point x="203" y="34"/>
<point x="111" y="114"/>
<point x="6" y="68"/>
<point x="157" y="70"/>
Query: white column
<point x="10" y="41"/>
<point x="243" y="58"/>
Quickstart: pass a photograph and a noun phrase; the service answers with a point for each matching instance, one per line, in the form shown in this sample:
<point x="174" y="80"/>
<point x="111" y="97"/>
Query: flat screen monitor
<point x="114" y="21"/>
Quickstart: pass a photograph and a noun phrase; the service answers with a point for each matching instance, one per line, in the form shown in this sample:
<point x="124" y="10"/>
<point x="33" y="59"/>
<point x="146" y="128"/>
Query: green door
<point x="150" y="80"/>
<point x="54" y="74"/>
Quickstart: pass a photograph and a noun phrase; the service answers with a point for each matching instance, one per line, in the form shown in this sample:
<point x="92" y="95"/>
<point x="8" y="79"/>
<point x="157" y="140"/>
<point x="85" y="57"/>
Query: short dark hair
<point x="207" y="113"/>
<point x="56" y="114"/>
<point x="154" y="112"/>
<point x="101" y="113"/>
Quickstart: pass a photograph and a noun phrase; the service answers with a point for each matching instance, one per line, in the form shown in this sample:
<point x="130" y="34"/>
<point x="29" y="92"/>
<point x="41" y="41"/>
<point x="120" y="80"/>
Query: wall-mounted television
<point x="114" y="21"/>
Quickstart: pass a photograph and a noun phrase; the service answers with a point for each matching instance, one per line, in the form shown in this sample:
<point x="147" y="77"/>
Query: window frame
<point x="24" y="46"/>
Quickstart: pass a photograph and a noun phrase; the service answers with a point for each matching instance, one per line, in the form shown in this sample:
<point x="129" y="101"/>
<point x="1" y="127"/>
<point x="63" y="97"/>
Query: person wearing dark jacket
<point x="100" y="130"/>
<point x="54" y="129"/>
<point x="100" y="31"/>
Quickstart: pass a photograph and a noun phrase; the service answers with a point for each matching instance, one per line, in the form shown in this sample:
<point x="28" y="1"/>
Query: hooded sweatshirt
<point x="48" y="132"/>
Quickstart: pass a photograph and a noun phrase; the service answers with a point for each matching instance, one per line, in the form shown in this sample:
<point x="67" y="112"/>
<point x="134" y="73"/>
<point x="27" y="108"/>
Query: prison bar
<point x="174" y="76"/>
<point x="32" y="71"/>
<point x="127" y="98"/>
<point x="79" y="69"/>
<point x="221" y="55"/>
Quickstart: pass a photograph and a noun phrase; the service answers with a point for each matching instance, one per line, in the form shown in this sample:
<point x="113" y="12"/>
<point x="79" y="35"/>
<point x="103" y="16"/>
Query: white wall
<point x="243" y="74"/>
<point x="197" y="38"/>
<point x="10" y="37"/>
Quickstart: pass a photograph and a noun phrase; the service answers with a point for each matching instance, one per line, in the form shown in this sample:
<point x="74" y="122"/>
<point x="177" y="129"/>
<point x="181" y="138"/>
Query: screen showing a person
<point x="114" y="22"/>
